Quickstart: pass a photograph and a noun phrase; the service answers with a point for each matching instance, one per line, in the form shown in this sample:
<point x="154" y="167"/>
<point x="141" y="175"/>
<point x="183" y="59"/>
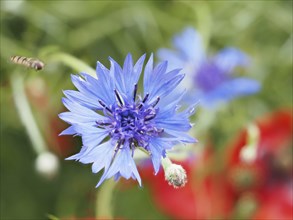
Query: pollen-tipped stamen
<point x="132" y="147"/>
<point x="134" y="92"/>
<point x="143" y="101"/>
<point x="119" y="98"/>
<point x="102" y="124"/>
<point x="156" y="102"/>
<point x="145" y="98"/>
<point x="118" y="147"/>
<point x="105" y="106"/>
<point x="160" y="130"/>
<point x="149" y="117"/>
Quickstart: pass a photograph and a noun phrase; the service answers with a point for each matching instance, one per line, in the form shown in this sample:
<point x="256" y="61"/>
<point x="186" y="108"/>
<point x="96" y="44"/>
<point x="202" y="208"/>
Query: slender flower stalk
<point x="26" y="115"/>
<point x="114" y="120"/>
<point x="104" y="203"/>
<point x="47" y="164"/>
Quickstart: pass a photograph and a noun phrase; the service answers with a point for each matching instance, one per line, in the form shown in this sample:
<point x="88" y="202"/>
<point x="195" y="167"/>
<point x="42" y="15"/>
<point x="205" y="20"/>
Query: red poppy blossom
<point x="218" y="194"/>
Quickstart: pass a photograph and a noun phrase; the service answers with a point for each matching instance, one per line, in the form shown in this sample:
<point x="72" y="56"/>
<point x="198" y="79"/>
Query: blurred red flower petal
<point x="210" y="194"/>
<point x="203" y="198"/>
<point x="179" y="202"/>
<point x="275" y="132"/>
<point x="276" y="202"/>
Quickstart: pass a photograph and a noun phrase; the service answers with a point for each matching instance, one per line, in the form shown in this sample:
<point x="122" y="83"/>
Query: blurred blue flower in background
<point x="208" y="79"/>
<point x="113" y="120"/>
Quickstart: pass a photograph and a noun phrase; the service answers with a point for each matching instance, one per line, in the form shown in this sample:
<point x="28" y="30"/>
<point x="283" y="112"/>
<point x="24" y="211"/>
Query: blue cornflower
<point x="114" y="120"/>
<point x="208" y="79"/>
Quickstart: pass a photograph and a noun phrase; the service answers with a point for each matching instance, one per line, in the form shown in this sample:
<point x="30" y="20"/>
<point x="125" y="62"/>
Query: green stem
<point x="52" y="217"/>
<point x="204" y="20"/>
<point x="73" y="62"/>
<point x="25" y="113"/>
<point x="104" y="197"/>
<point x="166" y="162"/>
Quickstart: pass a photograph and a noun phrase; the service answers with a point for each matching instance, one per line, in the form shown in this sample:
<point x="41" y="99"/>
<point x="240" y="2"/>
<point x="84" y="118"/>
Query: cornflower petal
<point x="157" y="147"/>
<point x="116" y="73"/>
<point x="86" y="101"/>
<point x="229" y="58"/>
<point x="190" y="45"/>
<point x="232" y="89"/>
<point x="207" y="78"/>
<point x="87" y="87"/>
<point x="68" y="131"/>
<point x="147" y="80"/>
<point x="91" y="135"/>
<point x="123" y="165"/>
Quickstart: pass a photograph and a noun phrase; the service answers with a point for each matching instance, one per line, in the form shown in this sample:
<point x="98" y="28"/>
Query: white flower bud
<point x="47" y="164"/>
<point x="175" y="175"/>
<point x="248" y="152"/>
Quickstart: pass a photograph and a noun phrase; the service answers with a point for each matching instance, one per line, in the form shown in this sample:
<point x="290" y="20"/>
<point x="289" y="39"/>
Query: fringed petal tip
<point x="73" y="157"/>
<point x="68" y="131"/>
<point x="196" y="140"/>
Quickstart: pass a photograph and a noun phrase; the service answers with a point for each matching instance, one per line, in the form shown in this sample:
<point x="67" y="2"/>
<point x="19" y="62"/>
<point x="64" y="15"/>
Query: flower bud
<point x="47" y="164"/>
<point x="248" y="152"/>
<point x="175" y="175"/>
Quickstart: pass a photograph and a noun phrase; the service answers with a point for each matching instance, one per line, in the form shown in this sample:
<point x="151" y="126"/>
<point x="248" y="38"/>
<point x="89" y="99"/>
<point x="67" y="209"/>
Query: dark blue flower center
<point x="131" y="122"/>
<point x="210" y="76"/>
<point x="128" y="119"/>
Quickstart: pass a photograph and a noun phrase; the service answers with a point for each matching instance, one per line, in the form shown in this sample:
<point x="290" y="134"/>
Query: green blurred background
<point x="94" y="30"/>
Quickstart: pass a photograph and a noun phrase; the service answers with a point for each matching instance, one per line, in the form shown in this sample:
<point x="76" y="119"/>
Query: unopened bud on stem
<point x="175" y="175"/>
<point x="47" y="164"/>
<point x="248" y="152"/>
